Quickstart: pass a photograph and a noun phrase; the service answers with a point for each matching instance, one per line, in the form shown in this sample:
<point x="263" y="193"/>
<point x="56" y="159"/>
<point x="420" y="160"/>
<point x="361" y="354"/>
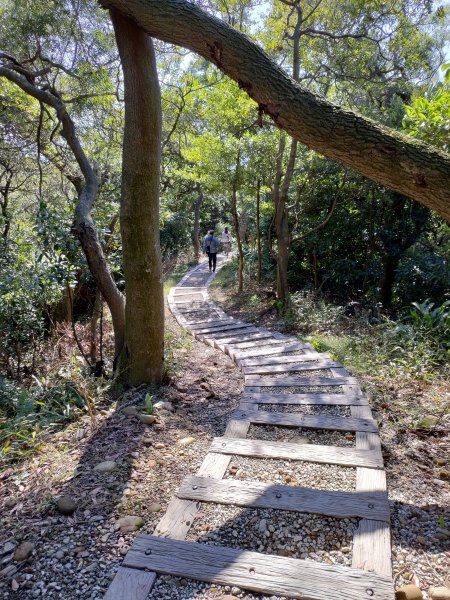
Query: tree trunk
<point x="143" y="355"/>
<point x="382" y="154"/>
<point x="196" y="229"/>
<point x="236" y="224"/>
<point x="258" y="229"/>
<point x="390" y="266"/>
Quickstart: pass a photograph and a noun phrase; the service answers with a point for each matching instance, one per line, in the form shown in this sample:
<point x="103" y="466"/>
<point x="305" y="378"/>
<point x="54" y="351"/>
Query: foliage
<point x="429" y="118"/>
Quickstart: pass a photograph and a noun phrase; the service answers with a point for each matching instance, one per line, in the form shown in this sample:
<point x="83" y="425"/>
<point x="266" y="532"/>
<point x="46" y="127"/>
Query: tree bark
<point x="258" y="228"/>
<point x="237" y="233"/>
<point x="401" y="163"/>
<point x="196" y="229"/>
<point x="143" y="355"/>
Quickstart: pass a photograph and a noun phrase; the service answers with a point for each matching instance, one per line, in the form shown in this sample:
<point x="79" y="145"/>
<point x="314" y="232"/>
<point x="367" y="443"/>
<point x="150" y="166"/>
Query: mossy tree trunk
<point x="142" y="358"/>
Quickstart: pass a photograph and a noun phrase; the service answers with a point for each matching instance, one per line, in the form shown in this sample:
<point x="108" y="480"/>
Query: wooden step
<point x="345" y="399"/>
<point x="238" y="334"/>
<point x="317" y="365"/>
<point x="336" y="455"/>
<point x="334" y="423"/>
<point x="371" y="505"/>
<point x="265" y="573"/>
<point x="278" y="349"/>
<point x="257" y="381"/>
<point x="213" y="323"/>
<point x="130" y="584"/>
<point x="217" y="328"/>
<point x="287" y="357"/>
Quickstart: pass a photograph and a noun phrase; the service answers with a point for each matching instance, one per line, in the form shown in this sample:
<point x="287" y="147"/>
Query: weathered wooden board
<point x="244" y="336"/>
<point x="130" y="584"/>
<point x="286" y="358"/>
<point x="290" y="381"/>
<point x="271" y="342"/>
<point x="336" y="455"/>
<point x="372" y="547"/>
<point x="262" y="495"/>
<point x="268" y="574"/>
<point x="239" y="333"/>
<point x="277" y="350"/>
<point x="216" y="329"/>
<point x="213" y="323"/>
<point x="315" y="365"/>
<point x="346" y="399"/>
<point x="308" y="421"/>
<point x="372" y="539"/>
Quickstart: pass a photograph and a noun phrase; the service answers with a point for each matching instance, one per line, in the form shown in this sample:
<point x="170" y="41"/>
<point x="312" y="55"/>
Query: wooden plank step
<point x="217" y="328"/>
<point x="254" y="494"/>
<point x="345" y="399"/>
<point x="265" y="573"/>
<point x="237" y="335"/>
<point x="257" y="381"/>
<point x="256" y="336"/>
<point x="287" y="347"/>
<point x="214" y="323"/>
<point x="273" y="342"/>
<point x="130" y="584"/>
<point x="317" y="365"/>
<point x="287" y="357"/>
<point x="335" y="455"/>
<point x="334" y="423"/>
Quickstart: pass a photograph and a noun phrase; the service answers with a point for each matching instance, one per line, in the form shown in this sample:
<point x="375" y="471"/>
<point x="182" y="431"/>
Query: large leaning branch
<point x="382" y="154"/>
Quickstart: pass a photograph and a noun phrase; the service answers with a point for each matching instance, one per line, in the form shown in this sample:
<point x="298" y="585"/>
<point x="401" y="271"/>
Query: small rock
<point x="159" y="446"/>
<point x="105" y="466"/>
<point x="233" y="470"/>
<point x="262" y="526"/>
<point x="151" y="463"/>
<point x="300" y="439"/>
<point x="123" y="550"/>
<point x="228" y="597"/>
<point x="444" y="474"/>
<point x="8" y="547"/>
<point x="408" y="592"/>
<point x="147" y="441"/>
<point x="80" y="434"/>
<point x="135" y="454"/>
<point x="349" y="436"/>
<point x="421" y="540"/>
<point x="10" y="502"/>
<point x="130" y="411"/>
<point x="440" y="462"/>
<point x="66" y="505"/>
<point x="154" y="507"/>
<point x="442" y="534"/>
<point x="428" y="422"/>
<point x="23" y="551"/>
<point x="129" y="523"/>
<point x="186" y="441"/>
<point x="60" y="554"/>
<point x="147" y="419"/>
<point x="439" y="593"/>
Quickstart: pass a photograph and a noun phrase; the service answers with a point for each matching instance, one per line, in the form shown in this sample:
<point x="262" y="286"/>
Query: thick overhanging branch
<point x="382" y="154"/>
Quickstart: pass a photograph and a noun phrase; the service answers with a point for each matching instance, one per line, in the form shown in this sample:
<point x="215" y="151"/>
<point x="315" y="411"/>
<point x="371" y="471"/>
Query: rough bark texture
<point x="258" y="228"/>
<point x="196" y="228"/>
<point x="143" y="355"/>
<point x="396" y="161"/>
<point x="237" y="232"/>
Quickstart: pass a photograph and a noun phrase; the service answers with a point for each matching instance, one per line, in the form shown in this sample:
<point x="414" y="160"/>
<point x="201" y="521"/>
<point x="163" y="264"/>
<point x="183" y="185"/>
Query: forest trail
<point x="287" y="384"/>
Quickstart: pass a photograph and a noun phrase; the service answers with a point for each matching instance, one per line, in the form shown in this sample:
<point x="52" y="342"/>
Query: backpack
<point x="211" y="245"/>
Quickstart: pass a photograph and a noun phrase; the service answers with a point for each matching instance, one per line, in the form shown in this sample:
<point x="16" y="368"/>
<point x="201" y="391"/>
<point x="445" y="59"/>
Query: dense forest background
<point x="319" y="248"/>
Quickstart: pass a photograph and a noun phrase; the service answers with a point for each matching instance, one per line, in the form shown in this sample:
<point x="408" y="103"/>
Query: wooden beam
<point x="316" y="398"/>
<point x="268" y="574"/>
<point x="336" y="455"/>
<point x="253" y="494"/>
<point x="262" y="417"/>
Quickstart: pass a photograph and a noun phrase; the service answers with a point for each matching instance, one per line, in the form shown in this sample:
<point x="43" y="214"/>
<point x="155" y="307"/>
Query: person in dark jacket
<point x="211" y="247"/>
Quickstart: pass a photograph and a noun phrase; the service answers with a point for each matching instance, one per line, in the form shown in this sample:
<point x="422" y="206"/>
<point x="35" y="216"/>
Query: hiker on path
<point x="210" y="247"/>
<point x="226" y="241"/>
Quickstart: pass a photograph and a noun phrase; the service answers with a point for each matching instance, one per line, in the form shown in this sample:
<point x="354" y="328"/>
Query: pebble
<point x="23" y="551"/>
<point x="147" y="419"/>
<point x="439" y="593"/>
<point x="129" y="523"/>
<point x="186" y="441"/>
<point x="408" y="592"/>
<point x="105" y="466"/>
<point x="66" y="505"/>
